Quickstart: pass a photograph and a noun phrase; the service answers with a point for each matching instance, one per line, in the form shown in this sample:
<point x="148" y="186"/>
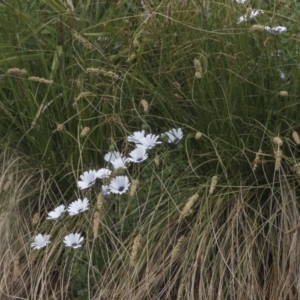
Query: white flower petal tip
<point x="73" y="240"/>
<point x="78" y="206"/>
<point x="174" y="135"/>
<point x="138" y="155"/>
<point x="240" y="1"/>
<point x="119" y="185"/>
<point x="113" y="155"/>
<point x="136" y="136"/>
<point x="276" y="29"/>
<point x="149" y="141"/>
<point x="40" y="241"/>
<point x="254" y="13"/>
<point x="103" y="173"/>
<point x="88" y="178"/>
<point x="57" y="213"/>
<point x="105" y="190"/>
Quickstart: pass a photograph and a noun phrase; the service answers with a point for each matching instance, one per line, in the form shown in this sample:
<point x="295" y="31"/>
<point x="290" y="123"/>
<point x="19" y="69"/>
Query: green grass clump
<point x="214" y="217"/>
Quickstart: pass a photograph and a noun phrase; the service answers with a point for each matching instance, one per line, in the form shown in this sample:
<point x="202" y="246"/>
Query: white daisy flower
<point x="276" y="29"/>
<point x="87" y="179"/>
<point x="174" y="135"/>
<point x="119" y="185"/>
<point x="103" y="173"/>
<point x="57" y="213"/>
<point x="136" y="136"/>
<point x="148" y="142"/>
<point x="254" y="13"/>
<point x="119" y="163"/>
<point x="78" y="206"/>
<point x="40" y="241"/>
<point x="105" y="190"/>
<point x="73" y="240"/>
<point x="138" y="155"/>
<point x="113" y="155"/>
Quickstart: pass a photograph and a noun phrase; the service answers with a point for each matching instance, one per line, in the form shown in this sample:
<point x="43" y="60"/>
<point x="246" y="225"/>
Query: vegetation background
<point x="215" y="217"/>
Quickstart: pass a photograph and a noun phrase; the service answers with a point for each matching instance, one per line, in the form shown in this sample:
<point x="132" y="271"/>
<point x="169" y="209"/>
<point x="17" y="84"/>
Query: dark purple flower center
<point x="121" y="188"/>
<point x="139" y="159"/>
<point x="74" y="244"/>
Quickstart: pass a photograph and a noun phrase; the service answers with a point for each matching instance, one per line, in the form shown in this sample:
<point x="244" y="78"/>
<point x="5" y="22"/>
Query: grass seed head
<point x="85" y="131"/>
<point x="133" y="188"/>
<point x="278" y="157"/>
<point x="283" y="93"/>
<point x="145" y="105"/>
<point x="99" y="201"/>
<point x="198" y="135"/>
<point x="248" y="13"/>
<point x="134" y="249"/>
<point x="60" y="127"/>
<point x="35" y="220"/>
<point x="177" y="249"/>
<point x="40" y="79"/>
<point x="257" y="27"/>
<point x="296" y="138"/>
<point x="213" y="184"/>
<point x="198" y="68"/>
<point x="278" y="141"/>
<point x="96" y="223"/>
<point x="17" y="72"/>
<point x="187" y="210"/>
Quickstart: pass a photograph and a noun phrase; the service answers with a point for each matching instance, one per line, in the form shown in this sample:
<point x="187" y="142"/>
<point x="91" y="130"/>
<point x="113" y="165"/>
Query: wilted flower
<point x="119" y="163"/>
<point x="253" y="14"/>
<point x="113" y="155"/>
<point x="174" y="135"/>
<point x="87" y="179"/>
<point x="119" y="185"/>
<point x="78" y="206"/>
<point x="276" y="29"/>
<point x="149" y="141"/>
<point x="136" y="136"/>
<point x="73" y="240"/>
<point x="40" y="241"/>
<point x="57" y="213"/>
<point x="103" y="173"/>
<point x="281" y="74"/>
<point x="105" y="190"/>
<point x="138" y="155"/>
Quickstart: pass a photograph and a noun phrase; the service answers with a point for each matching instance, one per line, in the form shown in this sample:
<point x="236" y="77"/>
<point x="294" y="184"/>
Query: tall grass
<point x="78" y="77"/>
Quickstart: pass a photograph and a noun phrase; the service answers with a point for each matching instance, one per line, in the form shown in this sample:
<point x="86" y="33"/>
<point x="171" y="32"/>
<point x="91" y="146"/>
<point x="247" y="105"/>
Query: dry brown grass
<point x="235" y="246"/>
<point x="25" y="273"/>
